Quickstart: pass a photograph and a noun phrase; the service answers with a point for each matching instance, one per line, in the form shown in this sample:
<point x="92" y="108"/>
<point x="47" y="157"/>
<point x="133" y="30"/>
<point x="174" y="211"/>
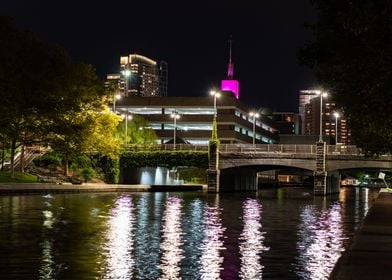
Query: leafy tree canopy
<point x="46" y="96"/>
<point x="138" y="131"/>
<point x="352" y="57"/>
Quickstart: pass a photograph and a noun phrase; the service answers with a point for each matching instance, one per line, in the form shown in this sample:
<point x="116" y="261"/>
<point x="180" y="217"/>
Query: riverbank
<point x="370" y="254"/>
<point x="43" y="188"/>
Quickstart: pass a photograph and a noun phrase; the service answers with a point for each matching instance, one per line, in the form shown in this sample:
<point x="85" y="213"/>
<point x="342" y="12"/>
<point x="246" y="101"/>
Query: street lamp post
<point x="254" y="115"/>
<point x="126" y="116"/>
<point x="215" y="94"/>
<point x="116" y="97"/>
<point x="322" y="94"/>
<point x="175" y="116"/>
<point x="336" y="114"/>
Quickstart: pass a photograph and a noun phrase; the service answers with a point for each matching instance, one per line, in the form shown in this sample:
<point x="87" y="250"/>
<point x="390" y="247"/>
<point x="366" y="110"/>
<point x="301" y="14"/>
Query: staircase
<point x="320" y="175"/>
<point x="30" y="154"/>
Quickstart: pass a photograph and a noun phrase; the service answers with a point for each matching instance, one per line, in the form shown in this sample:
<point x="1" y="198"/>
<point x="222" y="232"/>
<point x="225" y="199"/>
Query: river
<point x="275" y="234"/>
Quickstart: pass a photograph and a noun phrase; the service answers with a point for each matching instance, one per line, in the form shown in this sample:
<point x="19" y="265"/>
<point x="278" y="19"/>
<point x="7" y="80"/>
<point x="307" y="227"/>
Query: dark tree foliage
<point x="45" y="95"/>
<point x="352" y="57"/>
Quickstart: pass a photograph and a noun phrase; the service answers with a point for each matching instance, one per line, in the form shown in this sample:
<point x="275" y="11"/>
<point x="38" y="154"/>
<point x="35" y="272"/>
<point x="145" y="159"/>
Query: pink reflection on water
<point x="211" y="259"/>
<point x="321" y="241"/>
<point x="172" y="254"/>
<point x="251" y="241"/>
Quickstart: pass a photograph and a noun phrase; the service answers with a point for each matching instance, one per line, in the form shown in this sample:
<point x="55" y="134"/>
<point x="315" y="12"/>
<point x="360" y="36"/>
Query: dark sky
<point x="192" y="37"/>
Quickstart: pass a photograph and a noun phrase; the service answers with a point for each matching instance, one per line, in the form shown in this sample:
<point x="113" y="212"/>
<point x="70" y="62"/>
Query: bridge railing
<point x="267" y="148"/>
<point x="343" y="150"/>
<point x="166" y="147"/>
<point x="249" y="148"/>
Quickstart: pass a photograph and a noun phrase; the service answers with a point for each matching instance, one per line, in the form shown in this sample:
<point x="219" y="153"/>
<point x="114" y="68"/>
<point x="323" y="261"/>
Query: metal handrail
<point x="303" y="149"/>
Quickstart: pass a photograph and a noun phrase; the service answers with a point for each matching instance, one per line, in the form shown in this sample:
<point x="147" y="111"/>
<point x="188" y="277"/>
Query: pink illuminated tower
<point x="230" y="84"/>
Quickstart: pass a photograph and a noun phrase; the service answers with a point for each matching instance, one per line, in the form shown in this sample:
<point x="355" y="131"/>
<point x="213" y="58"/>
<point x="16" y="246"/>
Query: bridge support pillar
<point x="320" y="183"/>
<point x="333" y="182"/>
<point x="213" y="180"/>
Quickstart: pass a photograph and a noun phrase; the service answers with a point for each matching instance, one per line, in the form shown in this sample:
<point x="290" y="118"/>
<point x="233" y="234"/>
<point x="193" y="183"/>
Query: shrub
<point x="87" y="173"/>
<point x="49" y="159"/>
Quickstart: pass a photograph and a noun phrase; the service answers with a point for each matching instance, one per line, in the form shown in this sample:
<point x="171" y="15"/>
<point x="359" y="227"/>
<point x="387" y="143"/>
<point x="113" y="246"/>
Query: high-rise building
<point x="141" y="76"/>
<point x="332" y="126"/>
<point x="304" y="98"/>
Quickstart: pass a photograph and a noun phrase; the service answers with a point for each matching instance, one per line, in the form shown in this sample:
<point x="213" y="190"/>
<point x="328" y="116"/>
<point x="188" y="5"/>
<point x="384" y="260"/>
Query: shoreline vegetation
<point x="5" y="177"/>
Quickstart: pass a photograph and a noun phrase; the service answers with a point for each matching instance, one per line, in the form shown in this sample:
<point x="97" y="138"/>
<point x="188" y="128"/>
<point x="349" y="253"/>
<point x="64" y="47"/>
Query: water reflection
<point x="321" y="241"/>
<point x="120" y="237"/>
<point x="153" y="235"/>
<point x="47" y="269"/>
<point x="48" y="266"/>
<point x="211" y="260"/>
<point x="194" y="233"/>
<point x="251" y="241"/>
<point x="171" y="239"/>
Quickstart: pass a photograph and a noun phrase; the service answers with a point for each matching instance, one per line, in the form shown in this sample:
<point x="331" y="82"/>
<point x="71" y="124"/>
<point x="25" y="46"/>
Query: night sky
<point x="192" y="37"/>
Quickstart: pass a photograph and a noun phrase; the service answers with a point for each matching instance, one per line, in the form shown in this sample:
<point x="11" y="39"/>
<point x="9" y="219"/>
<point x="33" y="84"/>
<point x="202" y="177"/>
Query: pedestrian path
<point x="370" y="254"/>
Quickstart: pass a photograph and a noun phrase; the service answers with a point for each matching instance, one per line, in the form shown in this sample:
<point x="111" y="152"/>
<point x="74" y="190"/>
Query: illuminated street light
<point x="215" y="94"/>
<point x="254" y="115"/>
<point x="336" y="114"/>
<point x="175" y="116"/>
<point x="322" y="94"/>
<point x="115" y="97"/>
<point x="126" y="117"/>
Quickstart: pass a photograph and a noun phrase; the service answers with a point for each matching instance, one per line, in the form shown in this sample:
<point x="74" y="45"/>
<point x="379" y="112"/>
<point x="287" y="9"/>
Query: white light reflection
<point x="211" y="260"/>
<point x="120" y="238"/>
<point x="321" y="241"/>
<point x="172" y="254"/>
<point x="251" y="241"/>
<point x="47" y="269"/>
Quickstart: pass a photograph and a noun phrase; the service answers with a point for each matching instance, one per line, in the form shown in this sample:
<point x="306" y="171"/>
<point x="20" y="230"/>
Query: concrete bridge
<point x="237" y="165"/>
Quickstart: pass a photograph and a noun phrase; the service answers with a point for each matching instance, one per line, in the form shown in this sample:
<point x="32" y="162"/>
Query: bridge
<point x="236" y="165"/>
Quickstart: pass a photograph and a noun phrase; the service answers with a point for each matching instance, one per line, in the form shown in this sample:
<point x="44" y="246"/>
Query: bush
<point x="49" y="159"/>
<point x="81" y="162"/>
<point x="87" y="173"/>
<point x="110" y="169"/>
<point x="163" y="158"/>
<point x="193" y="175"/>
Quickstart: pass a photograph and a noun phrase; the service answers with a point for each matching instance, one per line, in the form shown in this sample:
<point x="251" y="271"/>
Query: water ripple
<point x="251" y="241"/>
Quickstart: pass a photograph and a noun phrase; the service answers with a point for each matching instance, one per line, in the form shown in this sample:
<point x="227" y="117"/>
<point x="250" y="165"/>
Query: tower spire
<point x="230" y="68"/>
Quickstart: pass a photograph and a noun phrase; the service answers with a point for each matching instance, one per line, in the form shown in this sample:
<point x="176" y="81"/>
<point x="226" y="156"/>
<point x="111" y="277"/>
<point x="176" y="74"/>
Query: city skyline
<point x="193" y="41"/>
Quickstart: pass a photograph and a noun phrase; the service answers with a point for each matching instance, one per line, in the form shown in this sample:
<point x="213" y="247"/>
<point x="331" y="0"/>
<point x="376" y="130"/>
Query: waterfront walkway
<point x="39" y="188"/>
<point x="369" y="255"/>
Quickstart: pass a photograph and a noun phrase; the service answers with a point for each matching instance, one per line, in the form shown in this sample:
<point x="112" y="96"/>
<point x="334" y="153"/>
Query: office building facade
<point x="194" y="125"/>
<point x="331" y="126"/>
<point x="141" y="76"/>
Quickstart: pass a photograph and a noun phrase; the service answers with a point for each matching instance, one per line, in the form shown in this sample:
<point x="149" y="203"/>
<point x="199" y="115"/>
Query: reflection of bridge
<point x="238" y="165"/>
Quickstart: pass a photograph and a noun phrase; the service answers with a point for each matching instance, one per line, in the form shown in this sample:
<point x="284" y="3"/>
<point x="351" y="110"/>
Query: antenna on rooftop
<point x="230" y="68"/>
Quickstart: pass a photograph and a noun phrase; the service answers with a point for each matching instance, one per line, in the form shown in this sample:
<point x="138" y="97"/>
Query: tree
<point x="89" y="131"/>
<point x="352" y="57"/>
<point x="138" y="132"/>
<point x="30" y="78"/>
<point x="48" y="97"/>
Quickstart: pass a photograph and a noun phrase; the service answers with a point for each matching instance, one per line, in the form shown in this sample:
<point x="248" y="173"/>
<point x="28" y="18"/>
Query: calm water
<point x="275" y="234"/>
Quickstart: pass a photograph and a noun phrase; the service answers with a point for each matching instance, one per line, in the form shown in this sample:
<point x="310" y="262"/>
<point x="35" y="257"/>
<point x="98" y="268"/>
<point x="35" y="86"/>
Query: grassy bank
<point x="5" y="177"/>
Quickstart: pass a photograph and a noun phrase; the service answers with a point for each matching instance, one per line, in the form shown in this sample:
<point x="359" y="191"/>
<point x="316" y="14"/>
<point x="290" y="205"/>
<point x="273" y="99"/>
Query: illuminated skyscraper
<point x="330" y="125"/>
<point x="142" y="76"/>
